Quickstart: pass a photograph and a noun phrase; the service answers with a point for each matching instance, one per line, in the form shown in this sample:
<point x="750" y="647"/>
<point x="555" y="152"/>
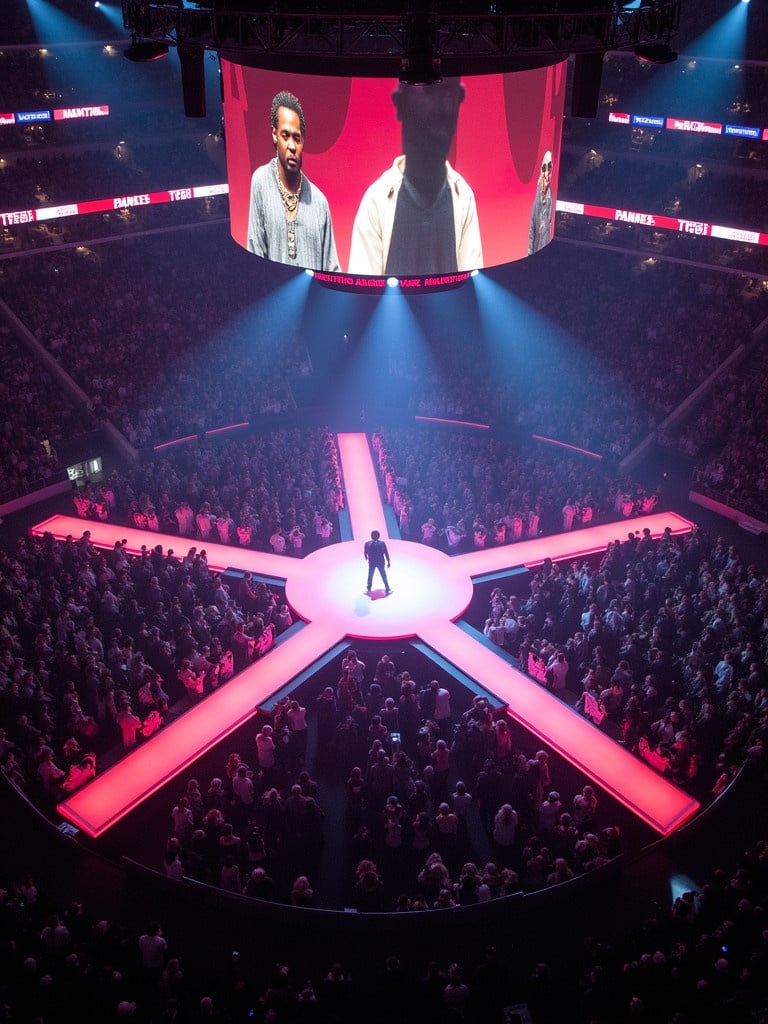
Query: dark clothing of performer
<point x="376" y="554"/>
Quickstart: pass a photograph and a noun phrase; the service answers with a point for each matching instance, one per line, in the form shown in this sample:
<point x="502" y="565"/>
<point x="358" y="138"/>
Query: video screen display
<point x="374" y="177"/>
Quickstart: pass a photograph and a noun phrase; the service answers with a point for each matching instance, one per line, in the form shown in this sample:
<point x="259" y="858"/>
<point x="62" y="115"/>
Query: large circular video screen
<point x="375" y="177"/>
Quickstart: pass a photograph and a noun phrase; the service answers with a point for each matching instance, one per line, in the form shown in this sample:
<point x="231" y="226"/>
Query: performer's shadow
<point x="378" y="594"/>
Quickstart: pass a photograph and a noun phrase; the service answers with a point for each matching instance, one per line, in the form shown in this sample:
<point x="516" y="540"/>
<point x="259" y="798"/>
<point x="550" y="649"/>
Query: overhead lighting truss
<point x="465" y="43"/>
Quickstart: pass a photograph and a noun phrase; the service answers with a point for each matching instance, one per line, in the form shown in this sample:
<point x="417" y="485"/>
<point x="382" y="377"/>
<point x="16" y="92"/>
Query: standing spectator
<point x="352" y="664"/>
<point x="446" y="833"/>
<point x="193" y="683"/>
<point x="441" y="762"/>
<point x="549" y="814"/>
<point x="183" y="820"/>
<point x="241" y="645"/>
<point x="185" y="518"/>
<point x="265" y="750"/>
<point x="204" y="521"/>
<point x="487" y="790"/>
<point x="243" y="794"/>
<point x="296" y="538"/>
<point x="297" y="723"/>
<point x="129" y="725"/>
<point x="230" y="880"/>
<point x="559" y="668"/>
<point x="225" y="527"/>
<point x="505" y="832"/>
<point x="326" y="725"/>
<point x="584" y="807"/>
<point x="283" y="619"/>
<point x="49" y="773"/>
<point x="277" y="541"/>
<point x="152" y="949"/>
<point x="442" y="713"/>
<point x="302" y="894"/>
<point x="455" y="996"/>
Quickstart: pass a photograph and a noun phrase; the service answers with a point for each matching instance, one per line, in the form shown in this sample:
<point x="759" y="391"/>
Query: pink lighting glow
<point x="568" y="447"/>
<point x="326" y="589"/>
<point x="453" y="423"/>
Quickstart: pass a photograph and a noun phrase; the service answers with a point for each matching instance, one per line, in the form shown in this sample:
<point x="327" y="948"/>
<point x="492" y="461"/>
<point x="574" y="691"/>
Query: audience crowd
<point x="634" y="359"/>
<point x="170" y="327"/>
<point x="677" y="187"/>
<point x="37" y="415"/>
<point x="461" y="491"/>
<point x="174" y="396"/>
<point x="650" y="244"/>
<point x="734" y="97"/>
<point x="737" y="474"/>
<point x="699" y="958"/>
<point x="395" y="756"/>
<point x="279" y="491"/>
<point x="712" y="419"/>
<point x="664" y="644"/>
<point x="99" y="649"/>
<point x="723" y="439"/>
<point x="112" y="170"/>
<point x="86" y="232"/>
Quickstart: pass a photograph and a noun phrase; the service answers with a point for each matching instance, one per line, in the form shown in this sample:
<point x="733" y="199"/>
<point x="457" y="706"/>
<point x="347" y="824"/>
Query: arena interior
<point x="518" y="771"/>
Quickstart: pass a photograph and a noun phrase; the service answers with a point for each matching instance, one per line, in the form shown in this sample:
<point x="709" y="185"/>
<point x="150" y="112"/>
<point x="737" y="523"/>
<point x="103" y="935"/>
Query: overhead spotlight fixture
<point x="308" y="272"/>
<point x="392" y="282"/>
<point x="655" y="53"/>
<point x="474" y="273"/>
<point x="141" y="51"/>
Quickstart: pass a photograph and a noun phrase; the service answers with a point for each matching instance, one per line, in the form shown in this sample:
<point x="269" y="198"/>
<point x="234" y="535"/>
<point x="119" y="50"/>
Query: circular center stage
<point x="425" y="586"/>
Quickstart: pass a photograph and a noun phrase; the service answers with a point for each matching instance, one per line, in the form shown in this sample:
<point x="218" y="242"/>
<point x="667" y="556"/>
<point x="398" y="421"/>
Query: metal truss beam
<point x="469" y="43"/>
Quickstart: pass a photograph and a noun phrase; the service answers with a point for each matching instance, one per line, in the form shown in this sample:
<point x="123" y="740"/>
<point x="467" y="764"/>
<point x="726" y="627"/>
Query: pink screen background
<point x="506" y="123"/>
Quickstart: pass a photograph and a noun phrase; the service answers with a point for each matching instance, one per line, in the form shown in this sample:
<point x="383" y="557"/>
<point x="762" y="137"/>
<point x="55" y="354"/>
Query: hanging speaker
<point x="585" y="93"/>
<point x="192" y="79"/>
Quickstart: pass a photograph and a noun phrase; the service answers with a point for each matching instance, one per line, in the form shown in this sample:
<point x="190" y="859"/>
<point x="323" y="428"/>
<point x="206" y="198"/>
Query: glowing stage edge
<point x="431" y="591"/>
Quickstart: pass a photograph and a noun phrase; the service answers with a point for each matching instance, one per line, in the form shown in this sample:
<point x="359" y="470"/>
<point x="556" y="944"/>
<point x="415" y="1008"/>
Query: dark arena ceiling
<point x="367" y="38"/>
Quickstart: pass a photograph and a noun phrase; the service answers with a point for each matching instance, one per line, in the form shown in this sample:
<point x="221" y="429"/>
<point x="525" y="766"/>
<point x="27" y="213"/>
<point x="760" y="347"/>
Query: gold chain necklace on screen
<point x="290" y="199"/>
<point x="291" y="240"/>
<point x="290" y="202"/>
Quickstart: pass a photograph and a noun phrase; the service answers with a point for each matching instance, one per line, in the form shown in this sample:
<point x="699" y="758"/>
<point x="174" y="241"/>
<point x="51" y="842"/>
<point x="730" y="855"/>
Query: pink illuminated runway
<point x="326" y="589"/>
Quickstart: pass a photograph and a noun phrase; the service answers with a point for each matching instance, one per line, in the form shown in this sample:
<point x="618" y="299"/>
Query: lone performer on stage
<point x="376" y="555"/>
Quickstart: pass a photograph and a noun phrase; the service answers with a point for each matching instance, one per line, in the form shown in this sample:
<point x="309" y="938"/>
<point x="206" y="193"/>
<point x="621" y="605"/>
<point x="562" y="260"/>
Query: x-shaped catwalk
<point x="326" y="590"/>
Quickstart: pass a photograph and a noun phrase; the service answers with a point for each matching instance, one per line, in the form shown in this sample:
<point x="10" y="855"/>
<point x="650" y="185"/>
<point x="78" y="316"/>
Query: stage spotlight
<point x="392" y="282"/>
<point x="309" y="273"/>
<point x="655" y="53"/>
<point x="143" y="50"/>
<point x="474" y="273"/>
